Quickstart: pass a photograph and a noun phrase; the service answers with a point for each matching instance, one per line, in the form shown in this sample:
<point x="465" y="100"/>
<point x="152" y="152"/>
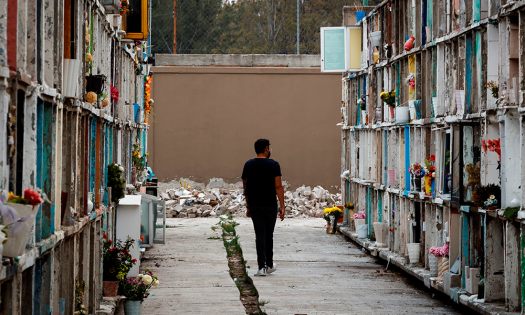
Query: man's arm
<point x="246" y="197"/>
<point x="280" y="194"/>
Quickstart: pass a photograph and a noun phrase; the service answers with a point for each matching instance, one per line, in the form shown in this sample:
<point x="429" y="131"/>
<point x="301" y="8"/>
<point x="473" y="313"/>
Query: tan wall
<point x="205" y="121"/>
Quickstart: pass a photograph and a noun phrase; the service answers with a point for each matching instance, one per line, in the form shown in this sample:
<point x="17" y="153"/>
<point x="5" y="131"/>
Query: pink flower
<point x="127" y="281"/>
<point x="135" y="281"/>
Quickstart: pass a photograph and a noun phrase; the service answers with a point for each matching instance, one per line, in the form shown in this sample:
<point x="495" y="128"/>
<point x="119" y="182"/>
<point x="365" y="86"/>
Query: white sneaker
<point x="270" y="270"/>
<point x="261" y="273"/>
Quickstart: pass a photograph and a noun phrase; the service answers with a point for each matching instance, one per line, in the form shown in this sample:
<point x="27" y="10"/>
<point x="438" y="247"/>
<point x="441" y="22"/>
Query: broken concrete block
<point x="165" y="196"/>
<point x="206" y="201"/>
<point x="233" y="208"/>
<point x="191" y="215"/>
<point x="211" y="197"/>
<point x="206" y="213"/>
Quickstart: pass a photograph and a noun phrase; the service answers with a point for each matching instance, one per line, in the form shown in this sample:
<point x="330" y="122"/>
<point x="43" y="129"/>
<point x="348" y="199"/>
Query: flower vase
<point x="414" y="250"/>
<point x="392" y="111"/>
<point x="110" y="288"/>
<point x="417" y="182"/>
<point x="443" y="266"/>
<point x="16" y="243"/>
<point x="428" y="185"/>
<point x="433" y="263"/>
<point x="409" y="43"/>
<point x="133" y="307"/>
<point x="412" y="182"/>
<point x="358" y="222"/>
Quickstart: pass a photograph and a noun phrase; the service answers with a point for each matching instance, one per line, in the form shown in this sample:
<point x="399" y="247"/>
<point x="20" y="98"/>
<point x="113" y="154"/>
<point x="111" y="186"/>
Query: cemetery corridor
<point x="316" y="272"/>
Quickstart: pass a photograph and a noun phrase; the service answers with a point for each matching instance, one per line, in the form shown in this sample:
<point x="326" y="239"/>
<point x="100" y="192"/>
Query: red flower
<point x="105" y="236"/>
<point x="133" y="260"/>
<point x="114" y="93"/>
<point x="432" y="168"/>
<point x="33" y="197"/>
<point x="432" y="158"/>
<point x="484" y="145"/>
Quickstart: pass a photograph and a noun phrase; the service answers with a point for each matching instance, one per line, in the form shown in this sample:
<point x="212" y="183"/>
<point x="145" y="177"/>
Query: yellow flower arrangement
<point x="329" y="210"/>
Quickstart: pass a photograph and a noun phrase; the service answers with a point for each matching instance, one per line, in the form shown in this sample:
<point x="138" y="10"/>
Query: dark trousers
<point x="264" y="219"/>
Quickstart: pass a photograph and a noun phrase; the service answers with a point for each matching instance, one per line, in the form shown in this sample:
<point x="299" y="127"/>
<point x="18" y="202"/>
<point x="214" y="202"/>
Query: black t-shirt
<point x="260" y="174"/>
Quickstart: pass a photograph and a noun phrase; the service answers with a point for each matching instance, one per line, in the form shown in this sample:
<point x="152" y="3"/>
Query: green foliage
<point x="116" y="258"/>
<point x="263" y="302"/>
<point x="511" y="212"/>
<point x="116" y="182"/>
<point x="243" y="26"/>
<point x="80" y="291"/>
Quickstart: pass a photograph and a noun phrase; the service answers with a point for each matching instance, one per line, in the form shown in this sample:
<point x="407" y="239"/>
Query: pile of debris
<point x="186" y="203"/>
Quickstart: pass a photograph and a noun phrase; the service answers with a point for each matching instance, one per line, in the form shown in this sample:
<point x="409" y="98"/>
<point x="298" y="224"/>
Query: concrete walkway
<point x="316" y="274"/>
<point x="193" y="272"/>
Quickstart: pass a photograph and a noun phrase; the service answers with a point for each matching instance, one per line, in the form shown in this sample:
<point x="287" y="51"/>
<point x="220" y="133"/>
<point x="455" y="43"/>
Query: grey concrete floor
<point x="316" y="274"/>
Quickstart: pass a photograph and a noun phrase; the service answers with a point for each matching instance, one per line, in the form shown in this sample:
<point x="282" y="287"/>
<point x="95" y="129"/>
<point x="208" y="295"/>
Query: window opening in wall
<point x="416" y="227"/>
<point x="446" y="182"/>
<point x="466" y="162"/>
<point x="69" y="29"/>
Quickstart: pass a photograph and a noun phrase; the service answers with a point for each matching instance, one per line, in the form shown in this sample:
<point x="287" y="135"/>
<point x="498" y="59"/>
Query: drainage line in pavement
<point x="248" y="292"/>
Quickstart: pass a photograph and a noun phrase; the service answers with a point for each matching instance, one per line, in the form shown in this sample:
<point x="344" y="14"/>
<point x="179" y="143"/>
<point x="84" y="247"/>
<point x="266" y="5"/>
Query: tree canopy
<point x="244" y="26"/>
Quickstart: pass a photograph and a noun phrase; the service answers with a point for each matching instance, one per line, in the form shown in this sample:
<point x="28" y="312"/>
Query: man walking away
<point x="261" y="179"/>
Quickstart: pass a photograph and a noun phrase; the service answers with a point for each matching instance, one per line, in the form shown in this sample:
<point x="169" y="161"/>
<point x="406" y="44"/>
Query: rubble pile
<point x="193" y="203"/>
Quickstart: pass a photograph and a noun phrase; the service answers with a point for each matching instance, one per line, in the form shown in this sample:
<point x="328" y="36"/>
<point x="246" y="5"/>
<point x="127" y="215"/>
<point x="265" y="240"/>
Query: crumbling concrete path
<point x="319" y="273"/>
<point x="316" y="274"/>
<point x="193" y="272"/>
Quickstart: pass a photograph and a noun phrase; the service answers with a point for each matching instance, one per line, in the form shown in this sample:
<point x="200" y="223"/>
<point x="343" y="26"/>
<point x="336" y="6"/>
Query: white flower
<point x="147" y="279"/>
<point x="121" y="169"/>
<point x="140" y="276"/>
<point x="155" y="283"/>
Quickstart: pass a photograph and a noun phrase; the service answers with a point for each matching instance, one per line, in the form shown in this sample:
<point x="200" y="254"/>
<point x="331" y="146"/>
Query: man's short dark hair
<point x="260" y="145"/>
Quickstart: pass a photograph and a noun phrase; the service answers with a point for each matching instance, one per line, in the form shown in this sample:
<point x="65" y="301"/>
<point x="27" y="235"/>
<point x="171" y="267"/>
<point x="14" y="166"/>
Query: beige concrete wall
<point x="205" y="120"/>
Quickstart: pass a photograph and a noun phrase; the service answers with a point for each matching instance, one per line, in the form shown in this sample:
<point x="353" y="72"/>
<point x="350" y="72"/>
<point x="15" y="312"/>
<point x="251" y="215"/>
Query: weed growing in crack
<point x="217" y="285"/>
<point x="214" y="238"/>
<point x="263" y="302"/>
<point x="237" y="266"/>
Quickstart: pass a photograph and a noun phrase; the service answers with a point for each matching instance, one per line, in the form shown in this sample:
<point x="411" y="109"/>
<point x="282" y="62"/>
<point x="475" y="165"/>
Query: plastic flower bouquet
<point x="415" y="169"/>
<point x="388" y="98"/>
<point x="491" y="202"/>
<point x="137" y="288"/>
<point x="440" y="251"/>
<point x="359" y="215"/>
<point x="117" y="259"/>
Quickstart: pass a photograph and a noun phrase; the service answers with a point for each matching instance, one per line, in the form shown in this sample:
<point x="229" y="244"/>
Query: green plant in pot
<point x="116" y="182"/>
<point x="117" y="263"/>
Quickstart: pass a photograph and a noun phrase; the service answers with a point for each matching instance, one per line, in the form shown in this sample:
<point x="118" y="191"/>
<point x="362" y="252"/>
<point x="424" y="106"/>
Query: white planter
<point x="380" y="229"/>
<point x="433" y="263"/>
<point x="358" y="222"/>
<point x="375" y="38"/>
<point x="16" y="243"/>
<point x="414" y="249"/>
<point x="362" y="231"/>
<point x="402" y="115"/>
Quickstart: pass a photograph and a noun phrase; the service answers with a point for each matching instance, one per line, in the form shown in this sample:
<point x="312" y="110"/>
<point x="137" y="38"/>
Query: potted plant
<point x="389" y="98"/>
<point x="136" y="289"/>
<point x="18" y="210"/>
<point x="117" y="263"/>
<point x="116" y="182"/>
<point x="326" y="217"/>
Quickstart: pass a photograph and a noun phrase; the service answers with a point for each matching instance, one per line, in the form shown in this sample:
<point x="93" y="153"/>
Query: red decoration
<point x="114" y="93"/>
<point x="409" y="43"/>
